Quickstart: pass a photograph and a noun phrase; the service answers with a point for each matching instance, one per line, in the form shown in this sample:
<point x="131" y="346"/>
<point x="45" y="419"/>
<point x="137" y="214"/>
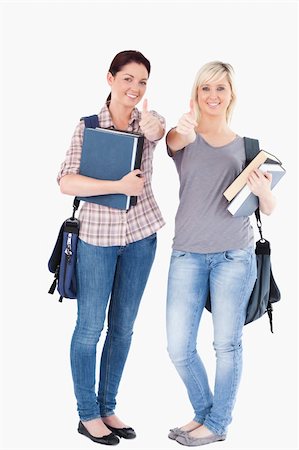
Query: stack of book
<point x="242" y="201"/>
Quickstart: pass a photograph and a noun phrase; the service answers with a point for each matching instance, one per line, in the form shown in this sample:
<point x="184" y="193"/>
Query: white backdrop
<point x="55" y="59"/>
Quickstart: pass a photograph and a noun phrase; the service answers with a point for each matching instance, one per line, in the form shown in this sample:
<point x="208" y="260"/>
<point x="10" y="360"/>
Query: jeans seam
<point x="188" y="366"/>
<point x="237" y="369"/>
<point x="110" y="328"/>
<point x="107" y="372"/>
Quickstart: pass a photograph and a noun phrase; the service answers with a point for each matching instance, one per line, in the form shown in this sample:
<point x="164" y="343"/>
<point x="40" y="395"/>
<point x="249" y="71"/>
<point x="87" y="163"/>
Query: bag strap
<point x="89" y="122"/>
<point x="259" y="223"/>
<point x="76" y="204"/>
<point x="252" y="148"/>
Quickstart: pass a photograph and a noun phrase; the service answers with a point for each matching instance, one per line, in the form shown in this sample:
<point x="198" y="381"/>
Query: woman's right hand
<point x="187" y="123"/>
<point x="132" y="184"/>
<point x="184" y="133"/>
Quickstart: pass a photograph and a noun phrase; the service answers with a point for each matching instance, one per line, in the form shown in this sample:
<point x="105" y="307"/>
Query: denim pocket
<point x="178" y="253"/>
<point x="240" y="254"/>
<point x="147" y="242"/>
<point x="151" y="237"/>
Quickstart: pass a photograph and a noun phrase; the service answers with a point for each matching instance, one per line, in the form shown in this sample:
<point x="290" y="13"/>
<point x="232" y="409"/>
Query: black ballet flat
<point x="109" y="439"/>
<point x="126" y="433"/>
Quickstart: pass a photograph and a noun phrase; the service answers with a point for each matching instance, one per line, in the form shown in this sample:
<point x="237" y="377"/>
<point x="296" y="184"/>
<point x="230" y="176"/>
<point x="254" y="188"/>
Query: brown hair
<point x="126" y="57"/>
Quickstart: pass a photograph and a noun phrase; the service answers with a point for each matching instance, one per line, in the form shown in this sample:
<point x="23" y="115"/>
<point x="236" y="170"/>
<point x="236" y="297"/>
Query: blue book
<point x="109" y="154"/>
<point x="245" y="202"/>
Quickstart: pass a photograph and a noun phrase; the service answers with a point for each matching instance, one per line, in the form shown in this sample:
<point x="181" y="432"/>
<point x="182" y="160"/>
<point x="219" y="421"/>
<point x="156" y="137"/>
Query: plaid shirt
<point x="104" y="226"/>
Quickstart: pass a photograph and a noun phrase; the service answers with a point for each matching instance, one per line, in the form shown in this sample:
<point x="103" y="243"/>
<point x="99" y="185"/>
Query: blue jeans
<point x="230" y="277"/>
<point x="118" y="273"/>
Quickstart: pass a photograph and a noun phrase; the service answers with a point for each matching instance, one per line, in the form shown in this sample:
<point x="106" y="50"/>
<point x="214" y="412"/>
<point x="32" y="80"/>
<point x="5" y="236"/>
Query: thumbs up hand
<point x="184" y="133"/>
<point x="150" y="125"/>
<point x="187" y="123"/>
<point x="144" y="106"/>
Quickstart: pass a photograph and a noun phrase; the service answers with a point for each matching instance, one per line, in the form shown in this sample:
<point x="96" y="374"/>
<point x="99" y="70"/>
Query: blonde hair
<point x="214" y="71"/>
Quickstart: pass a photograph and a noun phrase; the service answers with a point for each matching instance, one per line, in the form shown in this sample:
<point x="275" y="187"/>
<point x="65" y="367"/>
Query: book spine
<point x="133" y="159"/>
<point x="241" y="179"/>
<point x="139" y="151"/>
<point x="137" y="163"/>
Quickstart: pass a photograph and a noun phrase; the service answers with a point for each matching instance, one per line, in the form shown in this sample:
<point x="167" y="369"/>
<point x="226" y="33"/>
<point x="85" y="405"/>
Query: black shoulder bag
<point x="265" y="291"/>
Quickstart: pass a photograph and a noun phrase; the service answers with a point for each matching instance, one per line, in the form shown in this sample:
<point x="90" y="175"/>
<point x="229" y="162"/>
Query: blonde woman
<point x="212" y="252"/>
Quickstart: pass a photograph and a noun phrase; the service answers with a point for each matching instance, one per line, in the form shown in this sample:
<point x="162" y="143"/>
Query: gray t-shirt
<point x="202" y="223"/>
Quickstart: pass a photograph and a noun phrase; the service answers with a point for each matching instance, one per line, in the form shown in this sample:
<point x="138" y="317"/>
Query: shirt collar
<point x="134" y="117"/>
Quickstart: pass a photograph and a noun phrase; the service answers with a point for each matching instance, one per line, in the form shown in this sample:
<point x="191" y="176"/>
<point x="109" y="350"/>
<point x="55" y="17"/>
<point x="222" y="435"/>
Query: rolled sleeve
<point x="177" y="154"/>
<point x="71" y="164"/>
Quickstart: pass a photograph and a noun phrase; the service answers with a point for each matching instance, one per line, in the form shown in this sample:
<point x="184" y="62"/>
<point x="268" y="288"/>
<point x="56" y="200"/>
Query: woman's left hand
<point x="150" y="125"/>
<point x="259" y="182"/>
